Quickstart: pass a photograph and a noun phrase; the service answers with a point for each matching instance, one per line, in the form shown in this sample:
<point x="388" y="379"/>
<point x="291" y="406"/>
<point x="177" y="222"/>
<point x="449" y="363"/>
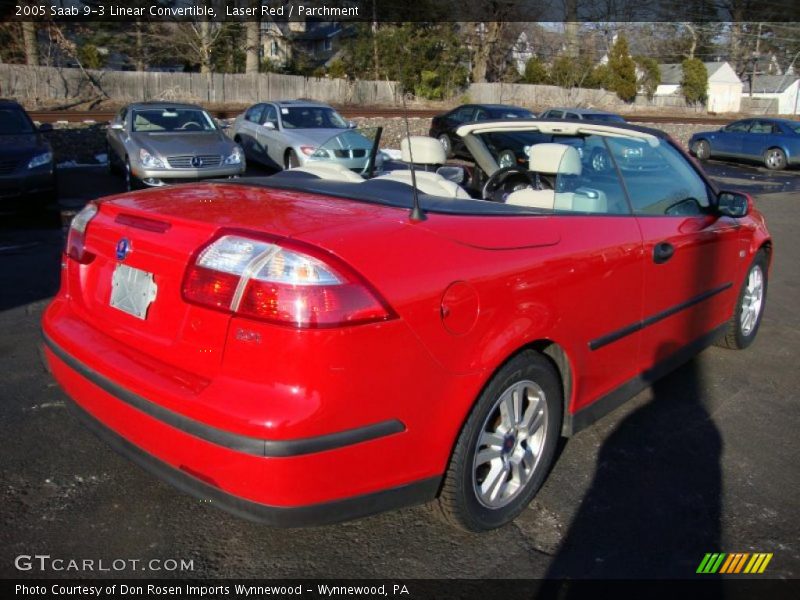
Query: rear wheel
<point x="743" y="326"/>
<point x="775" y="159"/>
<point x="702" y="150"/>
<point x="506" y="447"/>
<point x="291" y="161"/>
<point x="506" y="158"/>
<point x="600" y="160"/>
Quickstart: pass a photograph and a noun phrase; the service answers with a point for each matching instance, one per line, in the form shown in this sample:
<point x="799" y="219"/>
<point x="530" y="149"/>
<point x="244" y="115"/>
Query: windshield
<point x="311" y="117"/>
<point x="13" y="121"/>
<point x="158" y="120"/>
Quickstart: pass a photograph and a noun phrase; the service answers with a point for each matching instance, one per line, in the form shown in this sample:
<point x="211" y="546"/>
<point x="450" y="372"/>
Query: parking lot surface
<point x="707" y="460"/>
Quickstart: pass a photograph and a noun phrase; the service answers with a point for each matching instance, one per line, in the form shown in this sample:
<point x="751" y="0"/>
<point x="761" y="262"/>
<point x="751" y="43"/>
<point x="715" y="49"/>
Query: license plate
<point x="132" y="291"/>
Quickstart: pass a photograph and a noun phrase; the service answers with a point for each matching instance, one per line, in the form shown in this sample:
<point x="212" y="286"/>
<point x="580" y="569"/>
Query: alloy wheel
<point x="510" y="444"/>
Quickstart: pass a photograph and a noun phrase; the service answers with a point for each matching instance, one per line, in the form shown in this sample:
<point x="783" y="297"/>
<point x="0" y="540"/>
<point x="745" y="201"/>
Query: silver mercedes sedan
<point x="155" y="143"/>
<point x="283" y="134"/>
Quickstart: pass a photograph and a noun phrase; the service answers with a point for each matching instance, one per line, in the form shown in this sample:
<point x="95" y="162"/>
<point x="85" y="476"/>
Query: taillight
<point x="77" y="234"/>
<point x="280" y="281"/>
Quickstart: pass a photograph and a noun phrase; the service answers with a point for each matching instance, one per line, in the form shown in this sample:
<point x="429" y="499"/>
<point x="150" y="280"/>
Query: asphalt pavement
<point x="707" y="460"/>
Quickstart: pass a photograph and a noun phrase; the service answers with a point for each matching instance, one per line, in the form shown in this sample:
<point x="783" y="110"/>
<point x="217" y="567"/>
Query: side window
<point x="270" y="115"/>
<point x="463" y="114"/>
<point x="586" y="181"/>
<point x="659" y="180"/>
<point x="738" y="127"/>
<point x="253" y="113"/>
<point x="761" y="127"/>
<point x="572" y="116"/>
<point x="481" y="115"/>
<point x="555" y="114"/>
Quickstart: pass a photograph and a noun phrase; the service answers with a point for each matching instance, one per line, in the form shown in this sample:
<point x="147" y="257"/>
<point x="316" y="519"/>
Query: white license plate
<point x="132" y="290"/>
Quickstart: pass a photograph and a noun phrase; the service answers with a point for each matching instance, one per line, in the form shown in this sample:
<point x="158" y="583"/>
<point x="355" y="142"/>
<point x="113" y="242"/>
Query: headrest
<point x="555" y="159"/>
<point x="424" y="150"/>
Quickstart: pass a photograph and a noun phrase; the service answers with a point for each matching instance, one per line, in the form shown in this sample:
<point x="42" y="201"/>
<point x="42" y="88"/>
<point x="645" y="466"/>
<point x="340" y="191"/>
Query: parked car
<point x="505" y="145"/>
<point x="156" y="143"/>
<point x="315" y="346"/>
<point x="27" y="170"/>
<point x="582" y="114"/>
<point x="290" y="133"/>
<point x="773" y="142"/>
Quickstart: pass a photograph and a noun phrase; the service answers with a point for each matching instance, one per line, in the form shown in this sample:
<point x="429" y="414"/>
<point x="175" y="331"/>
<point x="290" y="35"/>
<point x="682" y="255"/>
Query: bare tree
<point x="253" y="41"/>
<point x="30" y="42"/>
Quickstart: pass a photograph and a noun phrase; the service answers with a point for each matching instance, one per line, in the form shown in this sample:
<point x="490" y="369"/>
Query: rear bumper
<point x="329" y="448"/>
<point x="318" y="514"/>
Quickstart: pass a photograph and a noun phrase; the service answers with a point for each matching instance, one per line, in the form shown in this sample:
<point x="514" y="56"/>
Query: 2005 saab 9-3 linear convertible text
<point x="316" y="346"/>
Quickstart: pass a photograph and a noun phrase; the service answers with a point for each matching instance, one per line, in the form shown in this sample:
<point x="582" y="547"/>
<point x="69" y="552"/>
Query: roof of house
<point x="771" y="84"/>
<point x="672" y="73"/>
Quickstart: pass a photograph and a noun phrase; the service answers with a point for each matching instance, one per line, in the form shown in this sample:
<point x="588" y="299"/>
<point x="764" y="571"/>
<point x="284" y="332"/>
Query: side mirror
<point x="455" y="174"/>
<point x="46" y="127"/>
<point x="352" y="124"/>
<point x="269" y="125"/>
<point x="117" y="126"/>
<point x="734" y="204"/>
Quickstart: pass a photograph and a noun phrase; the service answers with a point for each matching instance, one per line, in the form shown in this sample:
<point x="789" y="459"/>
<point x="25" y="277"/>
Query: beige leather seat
<point x="558" y="160"/>
<point x="429" y="152"/>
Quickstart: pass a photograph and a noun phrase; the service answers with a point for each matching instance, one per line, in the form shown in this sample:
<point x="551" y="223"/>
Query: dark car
<point x="775" y="142"/>
<point x="443" y="128"/>
<point x="27" y="172"/>
<point x="583" y="114"/>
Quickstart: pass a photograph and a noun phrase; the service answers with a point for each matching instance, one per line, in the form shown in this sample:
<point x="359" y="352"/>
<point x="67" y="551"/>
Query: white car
<point x="291" y="133"/>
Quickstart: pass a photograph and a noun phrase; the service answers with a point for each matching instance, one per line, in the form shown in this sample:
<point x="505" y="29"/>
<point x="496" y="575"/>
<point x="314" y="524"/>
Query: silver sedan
<point x="155" y="143"/>
<point x="292" y="133"/>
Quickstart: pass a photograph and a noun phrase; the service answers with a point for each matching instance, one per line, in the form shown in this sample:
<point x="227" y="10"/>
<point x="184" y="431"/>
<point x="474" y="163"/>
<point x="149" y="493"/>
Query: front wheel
<point x="702" y="150"/>
<point x="130" y="178"/>
<point x="743" y="327"/>
<point x="506" y="447"/>
<point x="444" y="140"/>
<point x="775" y="159"/>
<point x="291" y="161"/>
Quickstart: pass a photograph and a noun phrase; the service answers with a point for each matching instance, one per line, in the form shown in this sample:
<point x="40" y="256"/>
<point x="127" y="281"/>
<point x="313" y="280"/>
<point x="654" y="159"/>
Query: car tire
<point x="600" y="161"/>
<point x="743" y="326"/>
<point x="506" y="158"/>
<point x="702" y="150"/>
<point x="291" y="161"/>
<point x="775" y="159"/>
<point x="514" y="429"/>
<point x="444" y="140"/>
<point x="130" y="178"/>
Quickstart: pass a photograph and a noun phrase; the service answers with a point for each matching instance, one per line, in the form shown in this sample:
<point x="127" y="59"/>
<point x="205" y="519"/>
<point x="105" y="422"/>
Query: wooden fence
<point x="46" y="85"/>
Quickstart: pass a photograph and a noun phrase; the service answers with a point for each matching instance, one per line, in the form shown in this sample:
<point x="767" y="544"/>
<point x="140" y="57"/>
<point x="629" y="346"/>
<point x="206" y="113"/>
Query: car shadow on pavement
<point x="653" y="508"/>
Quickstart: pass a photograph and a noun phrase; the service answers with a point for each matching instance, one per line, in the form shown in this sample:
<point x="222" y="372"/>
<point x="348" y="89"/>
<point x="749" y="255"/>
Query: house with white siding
<point x="724" y="86"/>
<point x="783" y="88"/>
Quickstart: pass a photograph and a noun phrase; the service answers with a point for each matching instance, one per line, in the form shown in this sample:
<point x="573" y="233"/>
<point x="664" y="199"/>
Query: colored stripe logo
<point x="734" y="563"/>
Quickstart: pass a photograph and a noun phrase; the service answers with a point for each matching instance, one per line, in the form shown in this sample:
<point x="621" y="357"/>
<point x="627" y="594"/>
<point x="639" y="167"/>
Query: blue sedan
<point x="775" y="142"/>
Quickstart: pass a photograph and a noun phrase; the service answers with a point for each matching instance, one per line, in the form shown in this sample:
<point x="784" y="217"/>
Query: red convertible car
<point x="317" y="346"/>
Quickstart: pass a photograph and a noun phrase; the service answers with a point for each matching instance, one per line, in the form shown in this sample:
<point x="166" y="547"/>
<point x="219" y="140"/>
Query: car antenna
<point x="417" y="213"/>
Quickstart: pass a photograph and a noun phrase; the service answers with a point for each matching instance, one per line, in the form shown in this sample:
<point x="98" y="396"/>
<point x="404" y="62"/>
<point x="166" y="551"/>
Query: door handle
<point x="662" y="252"/>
